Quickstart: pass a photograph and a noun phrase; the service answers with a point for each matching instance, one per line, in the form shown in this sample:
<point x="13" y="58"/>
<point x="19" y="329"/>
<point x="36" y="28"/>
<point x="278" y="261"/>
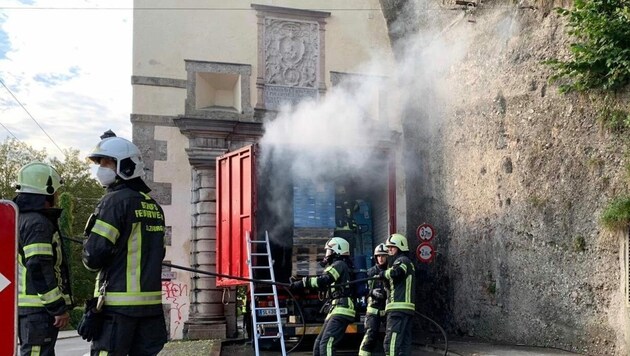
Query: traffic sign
<point x="425" y="232"/>
<point x="425" y="252"/>
<point x="8" y="275"/>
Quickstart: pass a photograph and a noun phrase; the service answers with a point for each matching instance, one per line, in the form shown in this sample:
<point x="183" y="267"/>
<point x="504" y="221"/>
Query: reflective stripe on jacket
<point x="337" y="273"/>
<point x="375" y="306"/>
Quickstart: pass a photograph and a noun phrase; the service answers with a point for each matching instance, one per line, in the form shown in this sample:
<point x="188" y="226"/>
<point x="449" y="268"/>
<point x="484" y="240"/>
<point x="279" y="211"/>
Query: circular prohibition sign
<point x="425" y="252"/>
<point x="425" y="232"/>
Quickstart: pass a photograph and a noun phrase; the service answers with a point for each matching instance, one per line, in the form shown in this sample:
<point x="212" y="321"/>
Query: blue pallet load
<point x="360" y="268"/>
<point x="365" y="230"/>
<point x="313" y="204"/>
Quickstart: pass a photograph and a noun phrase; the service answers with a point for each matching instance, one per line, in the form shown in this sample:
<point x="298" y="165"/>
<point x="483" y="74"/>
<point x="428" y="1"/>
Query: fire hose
<point x="280" y="284"/>
<point x="286" y="288"/>
<point x="286" y="285"/>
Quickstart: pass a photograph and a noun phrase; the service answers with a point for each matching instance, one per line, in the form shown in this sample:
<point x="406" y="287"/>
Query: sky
<point x="65" y="71"/>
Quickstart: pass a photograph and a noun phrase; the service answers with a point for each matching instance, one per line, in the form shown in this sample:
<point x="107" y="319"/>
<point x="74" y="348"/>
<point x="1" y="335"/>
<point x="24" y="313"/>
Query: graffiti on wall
<point x="176" y="295"/>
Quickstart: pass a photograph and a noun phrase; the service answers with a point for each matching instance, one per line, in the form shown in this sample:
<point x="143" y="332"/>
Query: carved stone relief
<point x="291" y="53"/>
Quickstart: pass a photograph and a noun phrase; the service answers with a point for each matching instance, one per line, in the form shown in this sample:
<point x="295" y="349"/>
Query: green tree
<point x="13" y="155"/>
<point x="80" y="194"/>
<point x="82" y="280"/>
<point x="78" y="181"/>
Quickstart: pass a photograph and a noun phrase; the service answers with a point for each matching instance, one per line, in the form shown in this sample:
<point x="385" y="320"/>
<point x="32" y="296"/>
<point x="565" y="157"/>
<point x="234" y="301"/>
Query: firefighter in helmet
<point x="377" y="296"/>
<point x="342" y="311"/>
<point x="401" y="307"/>
<point x="125" y="245"/>
<point x="44" y="297"/>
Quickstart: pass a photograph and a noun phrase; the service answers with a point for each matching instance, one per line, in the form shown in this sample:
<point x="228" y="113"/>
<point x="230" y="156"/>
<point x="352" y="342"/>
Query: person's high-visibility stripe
<point x="106" y="230"/>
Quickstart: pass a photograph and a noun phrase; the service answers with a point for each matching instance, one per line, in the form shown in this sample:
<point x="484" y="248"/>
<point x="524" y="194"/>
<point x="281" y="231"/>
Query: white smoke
<point x="341" y="128"/>
<point x="335" y="130"/>
<point x="348" y="116"/>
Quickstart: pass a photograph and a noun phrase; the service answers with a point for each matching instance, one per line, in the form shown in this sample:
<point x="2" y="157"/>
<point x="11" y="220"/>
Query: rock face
<point x="514" y="176"/>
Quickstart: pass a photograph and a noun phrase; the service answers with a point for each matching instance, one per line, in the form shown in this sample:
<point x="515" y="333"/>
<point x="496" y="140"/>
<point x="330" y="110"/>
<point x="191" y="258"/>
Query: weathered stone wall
<point x="514" y="176"/>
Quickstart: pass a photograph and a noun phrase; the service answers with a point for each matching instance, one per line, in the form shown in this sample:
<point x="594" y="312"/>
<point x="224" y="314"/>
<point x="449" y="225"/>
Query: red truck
<point x="260" y="192"/>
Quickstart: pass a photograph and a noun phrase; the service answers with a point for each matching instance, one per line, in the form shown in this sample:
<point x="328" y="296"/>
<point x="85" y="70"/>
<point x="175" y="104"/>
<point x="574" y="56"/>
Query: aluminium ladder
<point x="256" y="262"/>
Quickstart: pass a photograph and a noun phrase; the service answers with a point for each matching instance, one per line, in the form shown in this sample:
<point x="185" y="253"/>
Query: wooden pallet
<point x="306" y="257"/>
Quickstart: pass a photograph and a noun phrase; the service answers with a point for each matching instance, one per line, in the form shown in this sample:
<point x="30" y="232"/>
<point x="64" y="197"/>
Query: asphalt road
<point x="74" y="346"/>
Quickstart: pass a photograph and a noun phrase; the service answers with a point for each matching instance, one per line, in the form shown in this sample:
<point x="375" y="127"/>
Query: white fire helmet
<point x="129" y="162"/>
<point x="397" y="240"/>
<point x="337" y="245"/>
<point x="38" y="178"/>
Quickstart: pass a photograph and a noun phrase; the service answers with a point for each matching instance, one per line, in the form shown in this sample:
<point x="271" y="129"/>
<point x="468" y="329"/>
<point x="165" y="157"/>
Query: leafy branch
<point x="600" y="56"/>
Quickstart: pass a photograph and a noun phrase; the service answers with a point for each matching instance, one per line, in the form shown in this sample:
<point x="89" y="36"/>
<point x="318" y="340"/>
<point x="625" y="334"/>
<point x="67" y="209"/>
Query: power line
<point x="453" y="6"/>
<point x="9" y="131"/>
<point x="31" y="116"/>
<point x="169" y="8"/>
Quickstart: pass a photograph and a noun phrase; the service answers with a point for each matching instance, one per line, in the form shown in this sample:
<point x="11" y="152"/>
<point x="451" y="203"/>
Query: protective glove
<point x="374" y="271"/>
<point x="91" y="323"/>
<point x="381" y="275"/>
<point x="378" y="294"/>
<point x="325" y="262"/>
<point x="297" y="285"/>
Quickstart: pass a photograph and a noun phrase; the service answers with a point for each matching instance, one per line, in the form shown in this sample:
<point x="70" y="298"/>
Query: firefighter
<point x="44" y="296"/>
<point x="342" y="311"/>
<point x="401" y="307"/>
<point x="377" y="296"/>
<point x="125" y="244"/>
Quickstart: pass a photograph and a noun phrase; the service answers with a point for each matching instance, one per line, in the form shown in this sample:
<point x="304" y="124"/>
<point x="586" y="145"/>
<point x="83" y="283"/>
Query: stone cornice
<point x="193" y="128"/>
<point x="311" y="14"/>
<point x="158" y="82"/>
<point x="210" y="139"/>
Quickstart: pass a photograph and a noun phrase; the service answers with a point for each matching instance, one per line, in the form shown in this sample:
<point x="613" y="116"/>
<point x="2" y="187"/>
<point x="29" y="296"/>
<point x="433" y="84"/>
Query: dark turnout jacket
<point x="401" y="281"/>
<point x="334" y="275"/>
<point x="374" y="305"/>
<point x="43" y="277"/>
<point x="125" y="245"/>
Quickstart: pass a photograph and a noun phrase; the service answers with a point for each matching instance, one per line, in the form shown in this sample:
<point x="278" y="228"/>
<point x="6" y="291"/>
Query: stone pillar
<point x="207" y="317"/>
<point x="211" y="133"/>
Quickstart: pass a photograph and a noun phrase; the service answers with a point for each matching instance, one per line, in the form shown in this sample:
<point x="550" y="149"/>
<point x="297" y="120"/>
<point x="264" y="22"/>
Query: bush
<point x="75" y="317"/>
<point x="601" y="53"/>
<point x="617" y="215"/>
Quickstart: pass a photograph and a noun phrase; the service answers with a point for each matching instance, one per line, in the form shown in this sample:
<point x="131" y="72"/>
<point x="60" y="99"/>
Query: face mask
<point x="105" y="176"/>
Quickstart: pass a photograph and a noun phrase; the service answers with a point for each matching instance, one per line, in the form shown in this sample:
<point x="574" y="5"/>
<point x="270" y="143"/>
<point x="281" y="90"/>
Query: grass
<point x="579" y="244"/>
<point x="617" y="215"/>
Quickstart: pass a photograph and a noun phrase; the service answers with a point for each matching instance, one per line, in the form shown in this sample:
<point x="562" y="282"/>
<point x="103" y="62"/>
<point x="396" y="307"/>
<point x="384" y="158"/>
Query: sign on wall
<point x="425" y="252"/>
<point x="425" y="232"/>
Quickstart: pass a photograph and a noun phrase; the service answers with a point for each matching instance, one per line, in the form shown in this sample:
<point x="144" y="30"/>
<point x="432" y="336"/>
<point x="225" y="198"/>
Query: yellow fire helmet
<point x="397" y="240"/>
<point x="38" y="178"/>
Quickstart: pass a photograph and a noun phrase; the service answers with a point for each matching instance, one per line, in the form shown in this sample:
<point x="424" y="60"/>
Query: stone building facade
<point x="512" y="174"/>
<point x="206" y="76"/>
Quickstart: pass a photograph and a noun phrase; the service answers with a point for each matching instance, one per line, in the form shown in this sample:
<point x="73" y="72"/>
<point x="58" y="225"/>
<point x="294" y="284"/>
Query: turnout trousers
<point x="398" y="334"/>
<point x="370" y="339"/>
<point x="134" y="336"/>
<point x="37" y="334"/>
<point x="332" y="331"/>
